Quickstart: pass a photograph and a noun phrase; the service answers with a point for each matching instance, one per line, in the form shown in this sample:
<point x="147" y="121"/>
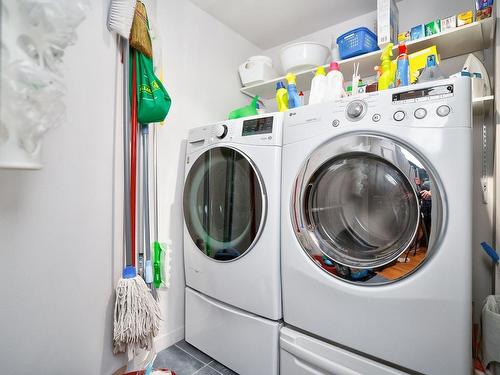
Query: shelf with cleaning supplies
<point x="459" y="41"/>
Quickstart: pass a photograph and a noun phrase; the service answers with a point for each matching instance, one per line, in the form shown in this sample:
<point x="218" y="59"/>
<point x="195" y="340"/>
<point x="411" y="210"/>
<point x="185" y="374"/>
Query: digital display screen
<point x="428" y="92"/>
<point x="263" y="125"/>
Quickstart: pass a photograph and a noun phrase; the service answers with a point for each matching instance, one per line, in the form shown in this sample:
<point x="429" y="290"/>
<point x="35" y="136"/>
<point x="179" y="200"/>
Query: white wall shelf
<point x="459" y="41"/>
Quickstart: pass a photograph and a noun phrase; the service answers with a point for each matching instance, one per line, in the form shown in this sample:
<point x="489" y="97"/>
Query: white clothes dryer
<point x="232" y="241"/>
<point x="376" y="227"/>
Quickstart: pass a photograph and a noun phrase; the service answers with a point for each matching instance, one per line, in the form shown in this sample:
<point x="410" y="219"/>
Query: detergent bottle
<point x="335" y="83"/>
<point x="293" y="95"/>
<point x="281" y="97"/>
<point x="403" y="67"/>
<point x="431" y="71"/>
<point x="385" y="74"/>
<point x="318" y="86"/>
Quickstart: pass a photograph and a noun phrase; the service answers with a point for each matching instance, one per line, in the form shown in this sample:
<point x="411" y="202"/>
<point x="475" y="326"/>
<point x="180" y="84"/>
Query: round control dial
<point x="220" y="131"/>
<point x="356" y="110"/>
<point x="443" y="110"/>
<point x="420" y="113"/>
<point x="399" y="115"/>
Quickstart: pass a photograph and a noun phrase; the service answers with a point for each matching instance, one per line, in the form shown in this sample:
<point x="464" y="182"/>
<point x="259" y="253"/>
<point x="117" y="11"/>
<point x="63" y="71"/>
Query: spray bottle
<point x="281" y="97"/>
<point x="431" y="71"/>
<point x="293" y="95"/>
<point x="403" y="67"/>
<point x="318" y="86"/>
<point x="385" y="80"/>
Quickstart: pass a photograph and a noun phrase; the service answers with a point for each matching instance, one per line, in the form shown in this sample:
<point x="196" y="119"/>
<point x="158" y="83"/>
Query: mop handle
<point x="126" y="150"/>
<point x="133" y="162"/>
<point x="145" y="187"/>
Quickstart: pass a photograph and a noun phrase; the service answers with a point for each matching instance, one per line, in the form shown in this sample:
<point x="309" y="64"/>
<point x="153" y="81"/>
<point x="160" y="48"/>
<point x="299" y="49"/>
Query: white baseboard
<point x="164" y="341"/>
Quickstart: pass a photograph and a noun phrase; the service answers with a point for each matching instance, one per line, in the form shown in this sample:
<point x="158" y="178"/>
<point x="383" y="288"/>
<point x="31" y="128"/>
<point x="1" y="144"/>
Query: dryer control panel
<point x="255" y="130"/>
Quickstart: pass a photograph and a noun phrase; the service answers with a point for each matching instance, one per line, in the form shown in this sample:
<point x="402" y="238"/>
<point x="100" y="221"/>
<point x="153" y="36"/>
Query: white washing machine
<point x="376" y="232"/>
<point x="232" y="241"/>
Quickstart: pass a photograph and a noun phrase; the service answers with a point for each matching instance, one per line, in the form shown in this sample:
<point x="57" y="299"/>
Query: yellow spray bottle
<point x="281" y="97"/>
<point x="387" y="77"/>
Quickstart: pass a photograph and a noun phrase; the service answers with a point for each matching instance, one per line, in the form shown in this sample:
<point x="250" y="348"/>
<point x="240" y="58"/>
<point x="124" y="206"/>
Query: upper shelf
<point x="455" y="42"/>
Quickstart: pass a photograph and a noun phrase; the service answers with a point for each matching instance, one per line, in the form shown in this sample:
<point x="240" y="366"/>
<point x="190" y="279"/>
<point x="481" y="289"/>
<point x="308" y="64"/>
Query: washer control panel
<point x="424" y="94"/>
<point x="424" y="105"/>
<point x="443" y="103"/>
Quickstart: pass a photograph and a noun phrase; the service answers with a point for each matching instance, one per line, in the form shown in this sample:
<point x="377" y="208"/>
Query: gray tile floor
<point x="185" y="359"/>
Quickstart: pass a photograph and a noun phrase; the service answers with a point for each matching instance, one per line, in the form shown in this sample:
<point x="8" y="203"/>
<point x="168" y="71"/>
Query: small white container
<point x="256" y="69"/>
<point x="301" y="56"/>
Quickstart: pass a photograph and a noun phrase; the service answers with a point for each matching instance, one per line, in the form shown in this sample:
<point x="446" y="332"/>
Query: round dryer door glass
<point x="359" y="209"/>
<point x="363" y="210"/>
<point x="223" y="203"/>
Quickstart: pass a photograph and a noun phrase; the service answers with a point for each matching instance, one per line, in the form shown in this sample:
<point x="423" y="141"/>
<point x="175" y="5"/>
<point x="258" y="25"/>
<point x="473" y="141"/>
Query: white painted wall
<point x="57" y="236"/>
<point x="201" y="56"/>
<point x="61" y="228"/>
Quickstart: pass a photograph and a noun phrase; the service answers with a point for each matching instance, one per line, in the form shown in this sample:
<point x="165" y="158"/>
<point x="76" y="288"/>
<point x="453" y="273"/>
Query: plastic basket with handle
<point x="356" y="42"/>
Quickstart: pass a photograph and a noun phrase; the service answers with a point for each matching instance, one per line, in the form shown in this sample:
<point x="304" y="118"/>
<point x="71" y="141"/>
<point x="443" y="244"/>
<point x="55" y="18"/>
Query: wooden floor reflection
<point x="400" y="268"/>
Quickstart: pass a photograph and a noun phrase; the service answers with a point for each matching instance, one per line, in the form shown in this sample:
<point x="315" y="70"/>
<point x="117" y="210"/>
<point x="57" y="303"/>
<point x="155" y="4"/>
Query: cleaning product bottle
<point x="293" y="95"/>
<point x="335" y="83"/>
<point x="403" y="67"/>
<point x="431" y="72"/>
<point x="384" y="72"/>
<point x="319" y="85"/>
<point x="281" y="97"/>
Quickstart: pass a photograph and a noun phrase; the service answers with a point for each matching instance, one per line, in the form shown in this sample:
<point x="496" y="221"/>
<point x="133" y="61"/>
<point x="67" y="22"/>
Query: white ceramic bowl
<point x="301" y="56"/>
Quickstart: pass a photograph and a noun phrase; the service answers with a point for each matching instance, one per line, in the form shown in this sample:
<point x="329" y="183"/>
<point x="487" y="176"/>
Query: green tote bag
<point x="153" y="101"/>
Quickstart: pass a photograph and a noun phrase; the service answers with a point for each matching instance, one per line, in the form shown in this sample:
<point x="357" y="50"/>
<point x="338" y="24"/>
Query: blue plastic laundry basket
<point x="356" y="42"/>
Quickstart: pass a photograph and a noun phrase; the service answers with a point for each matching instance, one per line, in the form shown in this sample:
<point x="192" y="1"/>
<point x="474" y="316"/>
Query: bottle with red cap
<point x="403" y="67"/>
<point x="335" y="83"/>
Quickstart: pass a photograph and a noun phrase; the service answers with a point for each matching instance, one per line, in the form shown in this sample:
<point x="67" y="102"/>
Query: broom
<point x="139" y="35"/>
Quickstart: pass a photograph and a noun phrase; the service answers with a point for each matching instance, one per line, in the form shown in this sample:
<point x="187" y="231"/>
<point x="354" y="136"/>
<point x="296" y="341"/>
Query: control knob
<point x="356" y="110"/>
<point x="220" y="131"/>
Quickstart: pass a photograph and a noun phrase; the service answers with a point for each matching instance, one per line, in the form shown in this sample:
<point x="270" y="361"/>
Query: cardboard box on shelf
<point x="483" y="13"/>
<point x="448" y="23"/>
<point x="465" y="18"/>
<point x="483" y="4"/>
<point x="432" y="27"/>
<point x="387" y="22"/>
<point x="404" y="37"/>
<point x="417" y="32"/>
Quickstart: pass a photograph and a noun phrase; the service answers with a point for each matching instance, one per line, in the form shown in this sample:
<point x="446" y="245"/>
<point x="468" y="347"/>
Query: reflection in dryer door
<point x="223" y="203"/>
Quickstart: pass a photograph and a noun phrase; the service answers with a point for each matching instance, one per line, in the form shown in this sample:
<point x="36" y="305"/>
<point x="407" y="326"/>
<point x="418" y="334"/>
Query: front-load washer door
<point x="224" y="204"/>
<point x="359" y="209"/>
